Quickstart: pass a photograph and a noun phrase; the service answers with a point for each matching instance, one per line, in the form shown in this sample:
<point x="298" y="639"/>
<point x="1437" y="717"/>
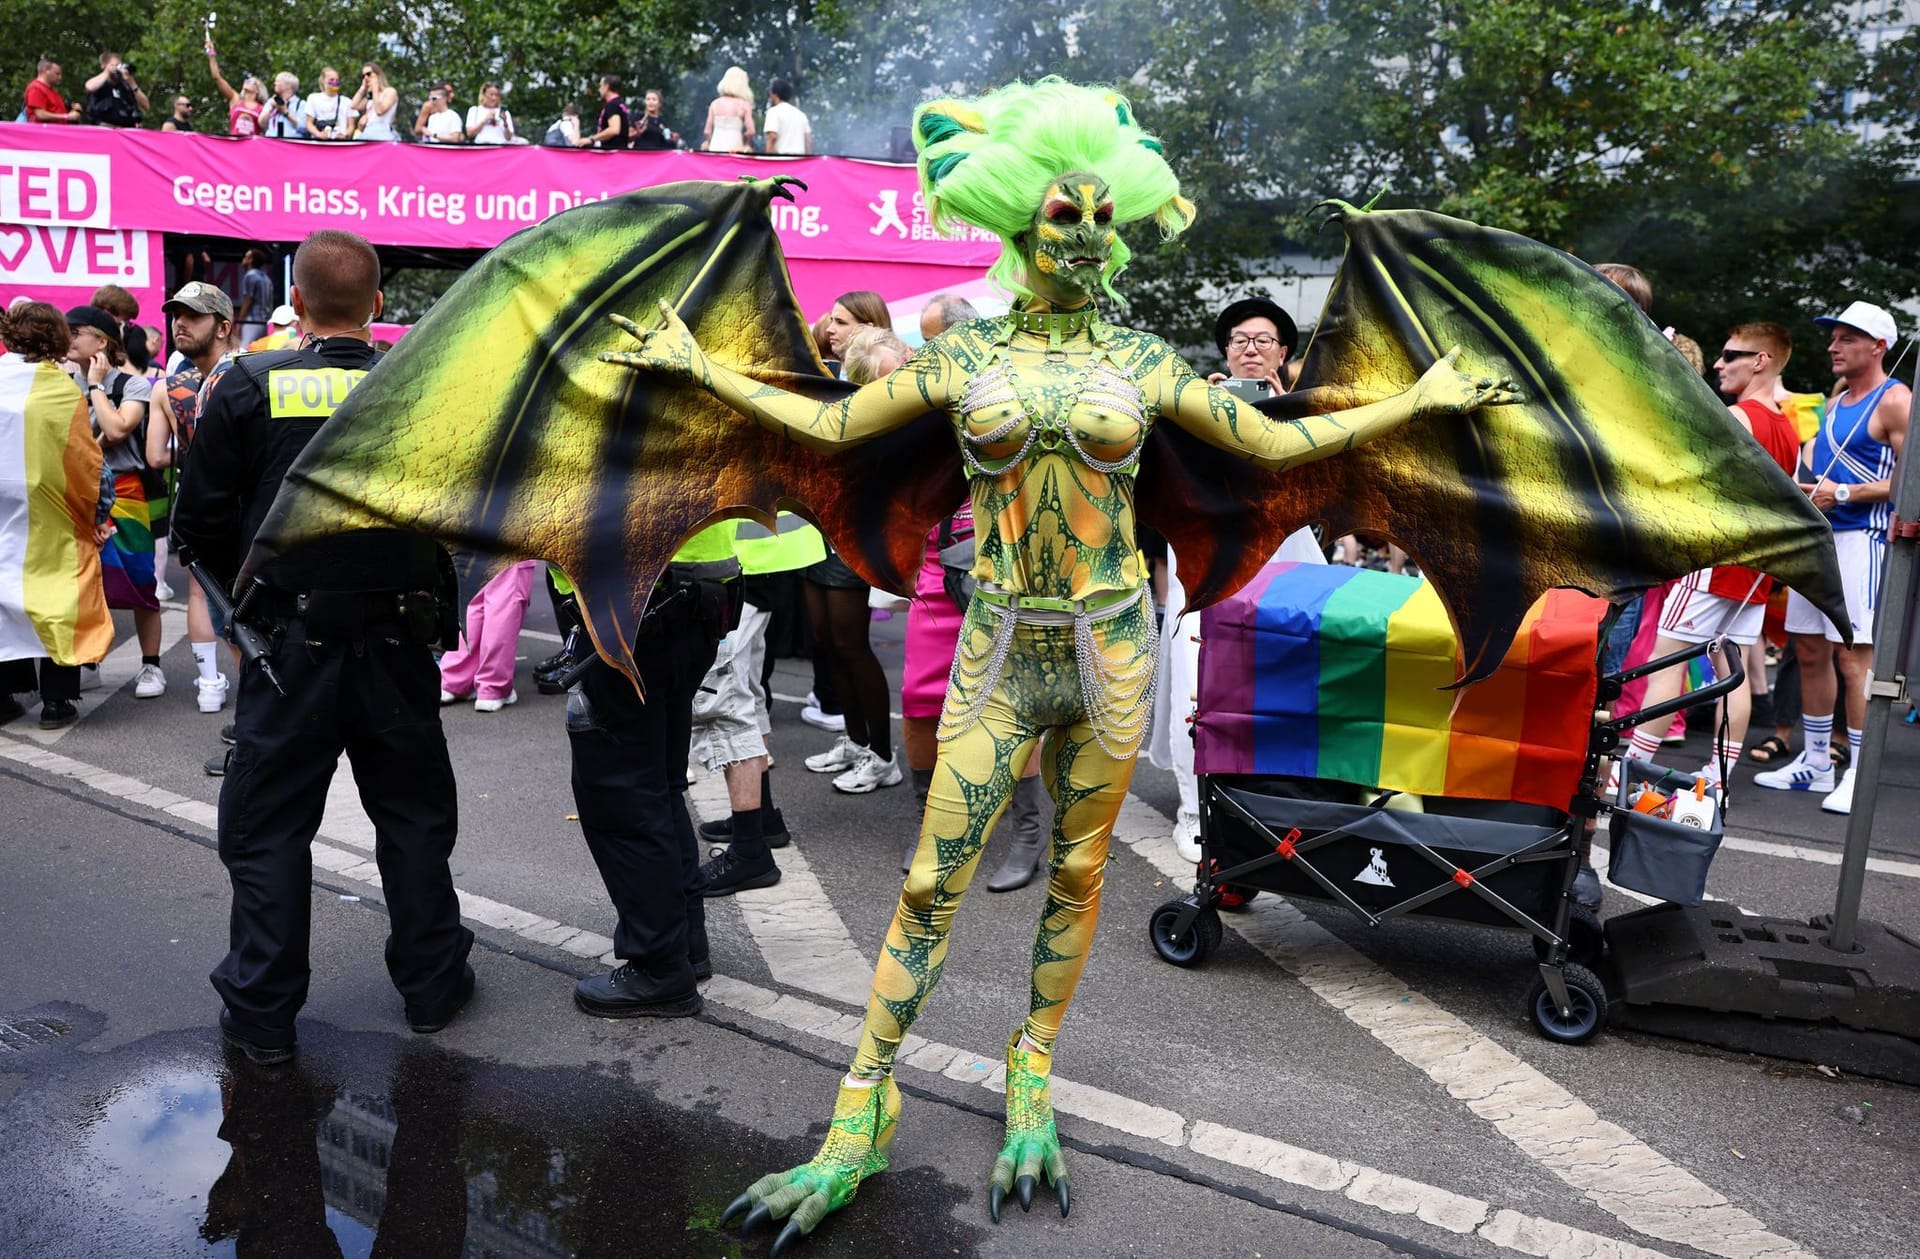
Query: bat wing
<point x="494" y="428"/>
<point x="1618" y="469"/>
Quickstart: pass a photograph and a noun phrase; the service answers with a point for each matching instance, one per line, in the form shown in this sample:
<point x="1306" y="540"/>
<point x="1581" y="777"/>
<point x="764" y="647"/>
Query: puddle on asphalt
<point x="168" y="1147"/>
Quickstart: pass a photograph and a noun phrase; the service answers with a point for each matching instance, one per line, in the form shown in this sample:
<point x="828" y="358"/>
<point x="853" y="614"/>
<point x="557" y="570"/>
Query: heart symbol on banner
<point x="24" y="235"/>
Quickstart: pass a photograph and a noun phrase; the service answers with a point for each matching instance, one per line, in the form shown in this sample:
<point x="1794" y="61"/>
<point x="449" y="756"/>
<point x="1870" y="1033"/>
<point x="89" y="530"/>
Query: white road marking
<point x="1687" y="1210"/>
<point x="1818" y="856"/>
<point x="1616" y="1170"/>
<point x="115" y="672"/>
<point x="1394" y="1195"/>
<point x="800" y="935"/>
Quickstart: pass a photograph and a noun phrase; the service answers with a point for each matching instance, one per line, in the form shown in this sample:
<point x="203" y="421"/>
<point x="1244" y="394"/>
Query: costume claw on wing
<point x="531" y="416"/>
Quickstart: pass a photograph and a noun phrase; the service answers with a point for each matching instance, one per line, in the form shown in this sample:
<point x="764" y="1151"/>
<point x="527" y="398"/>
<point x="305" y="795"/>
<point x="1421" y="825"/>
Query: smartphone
<point x="1247" y="389"/>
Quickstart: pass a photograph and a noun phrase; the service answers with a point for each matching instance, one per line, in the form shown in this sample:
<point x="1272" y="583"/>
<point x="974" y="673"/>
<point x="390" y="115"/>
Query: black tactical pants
<point x="376" y="698"/>
<point x="629" y="784"/>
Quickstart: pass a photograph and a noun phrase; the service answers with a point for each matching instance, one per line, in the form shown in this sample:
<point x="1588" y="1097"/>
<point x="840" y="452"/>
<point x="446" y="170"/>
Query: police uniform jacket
<point x="260" y="411"/>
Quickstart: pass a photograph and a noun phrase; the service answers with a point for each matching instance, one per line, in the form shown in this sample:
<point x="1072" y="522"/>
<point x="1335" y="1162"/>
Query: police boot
<point x="1030" y="819"/>
<point x="922" y="783"/>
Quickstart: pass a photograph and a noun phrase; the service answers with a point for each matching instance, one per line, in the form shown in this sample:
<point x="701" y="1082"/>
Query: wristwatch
<point x="1842" y="493"/>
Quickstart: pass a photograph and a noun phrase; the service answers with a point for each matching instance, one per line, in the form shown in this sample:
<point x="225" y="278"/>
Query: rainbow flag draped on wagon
<point x="52" y="603"/>
<point x="1323" y="671"/>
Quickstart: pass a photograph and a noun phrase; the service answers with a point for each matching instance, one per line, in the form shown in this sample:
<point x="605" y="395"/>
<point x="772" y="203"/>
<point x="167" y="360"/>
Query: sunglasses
<point x="1729" y="356"/>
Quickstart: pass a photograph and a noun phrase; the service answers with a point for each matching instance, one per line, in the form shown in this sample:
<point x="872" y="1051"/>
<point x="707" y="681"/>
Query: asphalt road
<point x="1319" y="1088"/>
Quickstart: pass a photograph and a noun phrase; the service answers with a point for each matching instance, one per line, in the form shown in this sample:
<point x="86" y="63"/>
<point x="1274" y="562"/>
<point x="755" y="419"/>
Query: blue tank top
<point x="1846" y="453"/>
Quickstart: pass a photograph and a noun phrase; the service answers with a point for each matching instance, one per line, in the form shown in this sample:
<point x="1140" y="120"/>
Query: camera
<point x="1247" y="389"/>
<point x="126" y="67"/>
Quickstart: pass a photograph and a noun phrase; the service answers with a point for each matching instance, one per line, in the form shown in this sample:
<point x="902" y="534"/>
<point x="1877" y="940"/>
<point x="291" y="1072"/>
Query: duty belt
<point x="344" y="608"/>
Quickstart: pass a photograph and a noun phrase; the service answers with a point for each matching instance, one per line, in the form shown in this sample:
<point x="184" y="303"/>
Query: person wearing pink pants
<point x="482" y="666"/>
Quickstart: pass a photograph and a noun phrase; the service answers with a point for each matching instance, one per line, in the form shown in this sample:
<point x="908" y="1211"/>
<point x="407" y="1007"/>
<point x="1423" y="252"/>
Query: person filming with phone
<point x="1256" y="337"/>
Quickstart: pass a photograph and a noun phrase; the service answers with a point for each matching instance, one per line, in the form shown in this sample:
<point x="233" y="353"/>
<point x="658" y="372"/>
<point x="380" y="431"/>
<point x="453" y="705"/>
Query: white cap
<point x="1868" y="318"/>
<point x="283" y="315"/>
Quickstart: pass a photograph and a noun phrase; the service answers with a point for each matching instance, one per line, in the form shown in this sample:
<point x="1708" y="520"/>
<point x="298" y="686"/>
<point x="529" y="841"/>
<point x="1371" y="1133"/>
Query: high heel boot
<point x="1030" y="818"/>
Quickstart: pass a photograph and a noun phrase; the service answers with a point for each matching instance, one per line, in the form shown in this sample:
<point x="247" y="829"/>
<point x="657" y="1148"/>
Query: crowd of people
<point x="146" y="418"/>
<point x="370" y="109"/>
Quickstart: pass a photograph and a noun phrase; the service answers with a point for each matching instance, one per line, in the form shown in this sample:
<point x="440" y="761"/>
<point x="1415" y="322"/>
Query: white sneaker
<point x="1186" y="837"/>
<point x="90" y="677"/>
<point x="448" y="697"/>
<point x="495" y="705"/>
<point x="1799" y="774"/>
<point x="868" y="773"/>
<point x="842" y="756"/>
<point x="161" y="590"/>
<point x="1841" y="801"/>
<point x="149" y="682"/>
<point x="812" y="715"/>
<point x="212" y="692"/>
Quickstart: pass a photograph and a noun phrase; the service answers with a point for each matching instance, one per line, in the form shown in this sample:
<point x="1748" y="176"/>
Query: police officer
<point x="348" y="622"/>
<point x="629" y="785"/>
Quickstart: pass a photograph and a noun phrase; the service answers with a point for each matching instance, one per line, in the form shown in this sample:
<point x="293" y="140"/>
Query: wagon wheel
<point x="1587" y="1013"/>
<point x="1191" y="947"/>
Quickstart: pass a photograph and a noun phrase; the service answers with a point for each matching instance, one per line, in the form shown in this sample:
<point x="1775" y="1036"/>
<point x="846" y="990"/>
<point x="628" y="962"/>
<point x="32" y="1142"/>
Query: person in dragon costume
<point x="573" y="446"/>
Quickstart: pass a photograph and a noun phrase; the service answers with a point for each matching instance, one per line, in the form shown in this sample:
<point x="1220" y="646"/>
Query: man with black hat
<point x="347" y="624"/>
<point x="1256" y="337"/>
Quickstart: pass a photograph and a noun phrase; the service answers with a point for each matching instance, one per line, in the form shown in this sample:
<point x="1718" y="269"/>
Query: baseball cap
<point x="282" y="316"/>
<point x="93" y="317"/>
<point x="202" y="299"/>
<point x="1251" y="307"/>
<point x="1868" y="318"/>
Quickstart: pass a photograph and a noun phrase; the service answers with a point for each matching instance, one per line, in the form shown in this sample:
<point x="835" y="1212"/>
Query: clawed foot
<point x="1033" y="1146"/>
<point x="856" y="1147"/>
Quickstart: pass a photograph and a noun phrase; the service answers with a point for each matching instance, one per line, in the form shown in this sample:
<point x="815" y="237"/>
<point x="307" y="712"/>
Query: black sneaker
<point x="57" y="714"/>
<point x="729" y="873"/>
<point x="630" y="993"/>
<point x="720" y="831"/>
<point x="216" y="765"/>
<point x="259" y="1051"/>
<point x="227" y="736"/>
<point x="464" y="993"/>
<point x="10" y="708"/>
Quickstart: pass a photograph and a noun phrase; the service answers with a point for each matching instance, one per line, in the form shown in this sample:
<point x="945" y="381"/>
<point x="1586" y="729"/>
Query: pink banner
<point x="64" y="265"/>
<point x="855" y="221"/>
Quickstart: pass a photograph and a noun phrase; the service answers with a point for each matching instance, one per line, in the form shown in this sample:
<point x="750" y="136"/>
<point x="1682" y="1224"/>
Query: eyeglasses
<point x="1729" y="356"/>
<point x="1260" y="340"/>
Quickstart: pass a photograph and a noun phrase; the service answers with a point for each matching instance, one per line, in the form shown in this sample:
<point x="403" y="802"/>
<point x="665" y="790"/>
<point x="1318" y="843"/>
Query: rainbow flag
<point x="51" y="598"/>
<point x="1323" y="671"/>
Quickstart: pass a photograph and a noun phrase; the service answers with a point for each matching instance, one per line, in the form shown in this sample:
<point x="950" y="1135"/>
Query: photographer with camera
<point x="285" y="117"/>
<point x="113" y="98"/>
<point x="1256" y="337"/>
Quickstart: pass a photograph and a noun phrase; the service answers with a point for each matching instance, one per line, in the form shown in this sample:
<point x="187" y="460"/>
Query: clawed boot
<point x="922" y="783"/>
<point x="856" y="1147"/>
<point x="1030" y="818"/>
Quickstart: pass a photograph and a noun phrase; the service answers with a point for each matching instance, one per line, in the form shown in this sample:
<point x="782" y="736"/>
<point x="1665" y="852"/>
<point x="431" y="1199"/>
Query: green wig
<point x="987" y="161"/>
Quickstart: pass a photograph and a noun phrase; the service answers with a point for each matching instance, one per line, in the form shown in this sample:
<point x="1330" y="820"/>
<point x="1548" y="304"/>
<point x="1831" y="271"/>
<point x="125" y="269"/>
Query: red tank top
<point x="1777" y="436"/>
